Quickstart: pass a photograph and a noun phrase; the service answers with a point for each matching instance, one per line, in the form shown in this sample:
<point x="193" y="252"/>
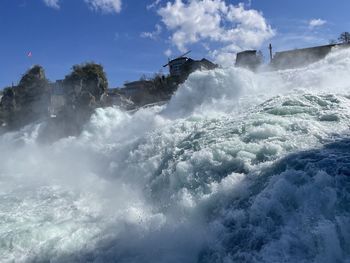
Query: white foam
<point x="162" y="184"/>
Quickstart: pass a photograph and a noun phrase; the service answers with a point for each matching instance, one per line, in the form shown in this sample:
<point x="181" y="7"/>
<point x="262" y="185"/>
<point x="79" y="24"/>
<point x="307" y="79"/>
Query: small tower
<point x="270" y="48"/>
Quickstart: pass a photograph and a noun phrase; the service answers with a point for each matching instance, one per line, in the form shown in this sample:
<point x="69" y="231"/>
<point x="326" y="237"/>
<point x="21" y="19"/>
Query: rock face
<point x="69" y="103"/>
<point x="86" y="80"/>
<point x="27" y="102"/>
<point x="30" y="100"/>
<point x="83" y="91"/>
<point x="7" y="106"/>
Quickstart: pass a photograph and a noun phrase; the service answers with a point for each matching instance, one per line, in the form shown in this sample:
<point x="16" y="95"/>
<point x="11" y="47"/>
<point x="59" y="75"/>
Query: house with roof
<point x="181" y="67"/>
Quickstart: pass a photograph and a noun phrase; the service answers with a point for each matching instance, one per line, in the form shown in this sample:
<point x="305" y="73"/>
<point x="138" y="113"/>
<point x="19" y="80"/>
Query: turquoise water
<point x="237" y="167"/>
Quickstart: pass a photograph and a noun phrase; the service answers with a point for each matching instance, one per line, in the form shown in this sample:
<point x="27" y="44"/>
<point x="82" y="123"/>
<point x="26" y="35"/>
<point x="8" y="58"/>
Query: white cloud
<point x="232" y="27"/>
<point x="105" y="6"/>
<point x="168" y="53"/>
<point x="153" y="4"/>
<point x="223" y="58"/>
<point x="152" y="35"/>
<point x="52" y="3"/>
<point x="316" y="23"/>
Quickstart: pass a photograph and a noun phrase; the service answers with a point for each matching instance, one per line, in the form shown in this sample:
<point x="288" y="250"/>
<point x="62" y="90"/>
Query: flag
<point x="30" y="54"/>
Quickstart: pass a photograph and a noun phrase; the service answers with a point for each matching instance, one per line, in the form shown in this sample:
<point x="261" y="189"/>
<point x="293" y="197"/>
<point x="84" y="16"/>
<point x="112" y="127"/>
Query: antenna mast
<point x="270" y="48"/>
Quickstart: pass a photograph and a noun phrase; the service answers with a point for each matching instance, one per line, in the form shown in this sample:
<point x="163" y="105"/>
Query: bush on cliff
<point x="32" y="96"/>
<point x="83" y="89"/>
<point x="89" y="77"/>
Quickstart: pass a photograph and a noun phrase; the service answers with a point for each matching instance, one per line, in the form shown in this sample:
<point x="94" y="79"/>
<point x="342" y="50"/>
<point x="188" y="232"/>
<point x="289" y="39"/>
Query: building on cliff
<point x="138" y="91"/>
<point x="175" y="66"/>
<point x="161" y="87"/>
<point x="301" y="57"/>
<point x="248" y="59"/>
<point x="134" y="88"/>
<point x="287" y="59"/>
<point x="182" y="67"/>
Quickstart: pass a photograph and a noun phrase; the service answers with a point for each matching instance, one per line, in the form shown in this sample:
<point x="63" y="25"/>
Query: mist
<point x="218" y="174"/>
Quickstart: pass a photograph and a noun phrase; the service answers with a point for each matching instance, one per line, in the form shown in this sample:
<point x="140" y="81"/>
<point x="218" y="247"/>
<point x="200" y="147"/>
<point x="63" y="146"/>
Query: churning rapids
<point x="237" y="167"/>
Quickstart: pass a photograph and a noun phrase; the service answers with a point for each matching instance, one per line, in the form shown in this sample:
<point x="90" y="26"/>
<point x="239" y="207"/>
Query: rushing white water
<point x="238" y="167"/>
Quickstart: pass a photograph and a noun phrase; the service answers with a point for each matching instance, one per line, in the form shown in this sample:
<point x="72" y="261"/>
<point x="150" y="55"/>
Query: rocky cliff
<point x="28" y="101"/>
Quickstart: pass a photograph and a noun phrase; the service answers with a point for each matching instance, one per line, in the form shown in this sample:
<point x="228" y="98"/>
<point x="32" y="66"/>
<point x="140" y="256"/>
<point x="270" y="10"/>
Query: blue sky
<point x="134" y="37"/>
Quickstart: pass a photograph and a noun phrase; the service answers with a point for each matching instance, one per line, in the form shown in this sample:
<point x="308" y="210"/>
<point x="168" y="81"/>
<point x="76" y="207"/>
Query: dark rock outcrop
<point x="86" y="78"/>
<point x="28" y="101"/>
<point x="7" y="106"/>
<point x="83" y="90"/>
<point x="31" y="100"/>
<point x="68" y="104"/>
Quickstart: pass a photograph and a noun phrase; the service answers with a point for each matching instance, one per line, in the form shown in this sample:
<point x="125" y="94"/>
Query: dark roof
<point x="305" y="49"/>
<point x="179" y="58"/>
<point x="247" y="52"/>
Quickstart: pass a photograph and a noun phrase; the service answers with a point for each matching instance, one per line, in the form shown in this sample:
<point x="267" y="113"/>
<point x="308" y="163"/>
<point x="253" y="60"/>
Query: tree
<point x="89" y="77"/>
<point x="143" y="77"/>
<point x="344" y="37"/>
